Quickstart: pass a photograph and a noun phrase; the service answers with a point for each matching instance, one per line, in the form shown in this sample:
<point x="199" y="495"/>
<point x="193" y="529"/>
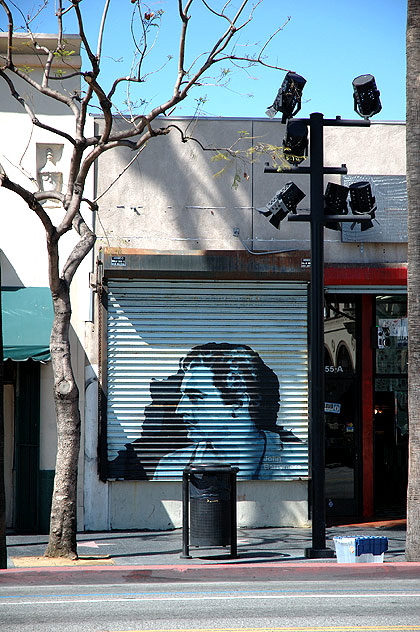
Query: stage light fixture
<point x="362" y="202"/>
<point x="366" y="96"/>
<point x="335" y="203"/>
<point x="295" y="143"/>
<point x="284" y="202"/>
<point x="288" y="99"/>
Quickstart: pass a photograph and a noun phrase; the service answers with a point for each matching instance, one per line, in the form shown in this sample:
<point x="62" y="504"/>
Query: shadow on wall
<point x="170" y="195"/>
<point x="9" y="276"/>
<point x="137" y="505"/>
<point x="269" y="504"/>
<point x="162" y="427"/>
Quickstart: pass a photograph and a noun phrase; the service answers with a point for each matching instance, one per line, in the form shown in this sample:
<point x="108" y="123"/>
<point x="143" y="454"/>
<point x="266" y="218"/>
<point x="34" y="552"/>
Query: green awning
<point x="27" y="314"/>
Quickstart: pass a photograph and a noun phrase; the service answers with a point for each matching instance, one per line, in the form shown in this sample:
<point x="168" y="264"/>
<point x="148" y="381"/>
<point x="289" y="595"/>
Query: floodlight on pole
<point x="325" y="208"/>
<point x="284" y="202"/>
<point x="366" y="96"/>
<point x="295" y="143"/>
<point x="335" y="203"/>
<point x="362" y="202"/>
<point x="288" y="99"/>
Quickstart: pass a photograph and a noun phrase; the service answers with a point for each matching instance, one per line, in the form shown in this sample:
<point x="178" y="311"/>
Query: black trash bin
<point x="209" y="507"/>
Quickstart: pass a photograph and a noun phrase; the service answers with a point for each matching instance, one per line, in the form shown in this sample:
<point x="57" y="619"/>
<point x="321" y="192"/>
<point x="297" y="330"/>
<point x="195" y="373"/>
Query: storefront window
<point x="390" y="413"/>
<point x="341" y="405"/>
<point x="391" y="362"/>
<point x="392" y="335"/>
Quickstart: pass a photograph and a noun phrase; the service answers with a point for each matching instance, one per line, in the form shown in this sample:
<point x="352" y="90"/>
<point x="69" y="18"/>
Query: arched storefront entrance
<point x="366" y="405"/>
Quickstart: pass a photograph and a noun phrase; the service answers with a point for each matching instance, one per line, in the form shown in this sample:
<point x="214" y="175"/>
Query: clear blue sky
<point x="329" y="42"/>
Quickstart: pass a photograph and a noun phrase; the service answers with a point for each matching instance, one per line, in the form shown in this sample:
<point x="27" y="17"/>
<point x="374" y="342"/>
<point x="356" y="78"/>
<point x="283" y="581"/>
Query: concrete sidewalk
<point x="129" y="556"/>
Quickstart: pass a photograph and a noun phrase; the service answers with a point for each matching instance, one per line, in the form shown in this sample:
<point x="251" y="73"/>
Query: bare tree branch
<point x="35" y="120"/>
<point x="183" y="13"/>
<point x="10" y="28"/>
<point x="81" y="249"/>
<point x="92" y="58"/>
<point x="31" y="200"/>
<point x="101" y="30"/>
<point x="128" y="165"/>
<point x="142" y="50"/>
<point x="59" y="14"/>
<point x="49" y="92"/>
<point x="104" y="103"/>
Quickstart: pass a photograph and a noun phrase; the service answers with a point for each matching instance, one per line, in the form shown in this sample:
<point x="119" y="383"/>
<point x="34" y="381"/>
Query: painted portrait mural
<point x="201" y="371"/>
<point x="221" y="405"/>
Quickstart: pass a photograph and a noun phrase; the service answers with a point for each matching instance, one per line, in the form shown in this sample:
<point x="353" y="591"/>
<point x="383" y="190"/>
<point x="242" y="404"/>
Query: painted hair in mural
<point x="221" y="405"/>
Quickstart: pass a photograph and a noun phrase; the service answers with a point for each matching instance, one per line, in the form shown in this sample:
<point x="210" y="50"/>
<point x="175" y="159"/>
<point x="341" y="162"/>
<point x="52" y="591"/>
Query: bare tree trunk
<point x="63" y="519"/>
<point x="413" y="190"/>
<point x="3" y="550"/>
<point x="62" y="540"/>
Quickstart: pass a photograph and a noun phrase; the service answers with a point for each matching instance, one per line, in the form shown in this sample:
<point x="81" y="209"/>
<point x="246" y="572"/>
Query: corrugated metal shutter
<point x="160" y="418"/>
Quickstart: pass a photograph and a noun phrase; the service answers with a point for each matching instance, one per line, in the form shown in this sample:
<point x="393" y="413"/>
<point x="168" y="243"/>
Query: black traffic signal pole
<point x="317" y="220"/>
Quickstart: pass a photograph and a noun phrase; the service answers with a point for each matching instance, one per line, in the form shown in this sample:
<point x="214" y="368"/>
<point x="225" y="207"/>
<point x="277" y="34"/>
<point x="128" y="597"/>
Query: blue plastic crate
<point x="364" y="548"/>
<point x="374" y="544"/>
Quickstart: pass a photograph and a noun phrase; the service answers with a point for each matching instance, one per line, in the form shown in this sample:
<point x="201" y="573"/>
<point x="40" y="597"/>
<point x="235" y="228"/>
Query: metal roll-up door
<point x="195" y="371"/>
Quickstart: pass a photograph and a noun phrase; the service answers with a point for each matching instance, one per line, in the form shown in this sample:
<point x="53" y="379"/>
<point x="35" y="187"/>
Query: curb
<point x="208" y="573"/>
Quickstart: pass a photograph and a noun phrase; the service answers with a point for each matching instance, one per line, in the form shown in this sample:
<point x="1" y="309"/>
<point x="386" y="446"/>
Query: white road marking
<point x="179" y="598"/>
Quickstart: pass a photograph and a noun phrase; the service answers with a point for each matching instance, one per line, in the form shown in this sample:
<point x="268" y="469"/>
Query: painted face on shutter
<point x="202" y="406"/>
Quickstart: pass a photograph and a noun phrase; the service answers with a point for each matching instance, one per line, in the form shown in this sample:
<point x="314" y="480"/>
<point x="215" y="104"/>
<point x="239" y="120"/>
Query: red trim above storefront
<point x="365" y="275"/>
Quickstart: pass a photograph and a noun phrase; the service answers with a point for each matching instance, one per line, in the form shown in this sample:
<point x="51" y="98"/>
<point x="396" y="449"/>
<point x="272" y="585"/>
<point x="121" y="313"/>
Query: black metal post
<point x="233" y="528"/>
<point x="185" y="515"/>
<point x="316" y="341"/>
<point x="317" y="220"/>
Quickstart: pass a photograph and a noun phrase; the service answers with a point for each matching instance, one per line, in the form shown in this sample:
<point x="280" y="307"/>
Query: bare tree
<point x="413" y="191"/>
<point x="233" y="17"/>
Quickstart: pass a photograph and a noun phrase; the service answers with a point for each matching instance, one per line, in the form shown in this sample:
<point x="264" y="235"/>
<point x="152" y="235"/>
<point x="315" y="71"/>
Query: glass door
<point x="341" y="406"/>
<point x="390" y="406"/>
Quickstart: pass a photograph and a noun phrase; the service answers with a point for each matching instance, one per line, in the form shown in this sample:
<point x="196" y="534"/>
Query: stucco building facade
<point x="185" y="259"/>
<point x="190" y="325"/>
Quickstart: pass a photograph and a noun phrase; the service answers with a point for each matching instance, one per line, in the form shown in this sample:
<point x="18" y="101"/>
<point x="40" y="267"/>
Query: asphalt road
<point x="327" y="606"/>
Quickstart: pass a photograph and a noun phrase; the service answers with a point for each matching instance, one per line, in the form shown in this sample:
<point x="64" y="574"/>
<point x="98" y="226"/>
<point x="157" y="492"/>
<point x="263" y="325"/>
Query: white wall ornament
<point x="50" y="177"/>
